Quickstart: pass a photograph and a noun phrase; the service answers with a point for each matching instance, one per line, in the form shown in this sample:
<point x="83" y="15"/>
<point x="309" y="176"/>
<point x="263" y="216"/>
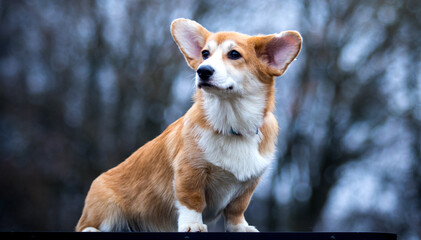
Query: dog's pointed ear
<point x="277" y="51"/>
<point x="190" y="37"/>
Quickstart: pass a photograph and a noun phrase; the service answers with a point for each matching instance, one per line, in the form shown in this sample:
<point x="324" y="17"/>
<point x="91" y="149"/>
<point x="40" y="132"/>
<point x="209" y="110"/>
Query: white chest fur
<point x="236" y="154"/>
<point x="243" y="115"/>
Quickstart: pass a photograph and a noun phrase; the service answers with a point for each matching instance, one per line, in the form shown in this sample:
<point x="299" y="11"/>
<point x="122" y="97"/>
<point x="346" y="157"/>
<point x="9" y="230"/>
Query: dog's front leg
<point x="190" y="194"/>
<point x="234" y="212"/>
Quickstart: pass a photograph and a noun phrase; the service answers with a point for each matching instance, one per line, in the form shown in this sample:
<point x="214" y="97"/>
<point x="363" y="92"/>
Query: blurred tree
<point x="340" y="104"/>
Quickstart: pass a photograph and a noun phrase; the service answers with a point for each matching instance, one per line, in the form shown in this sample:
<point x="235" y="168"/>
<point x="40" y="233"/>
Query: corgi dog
<point x="209" y="162"/>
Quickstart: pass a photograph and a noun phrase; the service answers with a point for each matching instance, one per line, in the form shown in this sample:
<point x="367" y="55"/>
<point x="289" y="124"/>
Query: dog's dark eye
<point x="234" y="55"/>
<point x="205" y="54"/>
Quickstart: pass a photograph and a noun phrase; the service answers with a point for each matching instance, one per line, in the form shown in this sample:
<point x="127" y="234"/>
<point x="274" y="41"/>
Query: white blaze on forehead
<point x="228" y="45"/>
<point x="211" y="46"/>
<point x="225" y="46"/>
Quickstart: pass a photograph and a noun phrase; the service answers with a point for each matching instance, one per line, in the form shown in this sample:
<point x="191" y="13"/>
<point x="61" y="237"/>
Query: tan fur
<point x="234" y="212"/>
<point x="140" y="193"/>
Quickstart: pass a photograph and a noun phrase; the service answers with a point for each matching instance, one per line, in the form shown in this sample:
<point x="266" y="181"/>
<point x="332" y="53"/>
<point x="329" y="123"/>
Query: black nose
<point x="205" y="72"/>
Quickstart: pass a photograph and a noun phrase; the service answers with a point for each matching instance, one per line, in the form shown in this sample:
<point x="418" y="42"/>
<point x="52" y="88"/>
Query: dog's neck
<point x="239" y="115"/>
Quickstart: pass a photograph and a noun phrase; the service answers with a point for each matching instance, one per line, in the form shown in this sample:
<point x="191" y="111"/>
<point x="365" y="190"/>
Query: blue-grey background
<point x="83" y="84"/>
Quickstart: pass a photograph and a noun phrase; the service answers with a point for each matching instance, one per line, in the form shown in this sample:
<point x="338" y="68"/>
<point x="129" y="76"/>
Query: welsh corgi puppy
<point x="209" y="162"/>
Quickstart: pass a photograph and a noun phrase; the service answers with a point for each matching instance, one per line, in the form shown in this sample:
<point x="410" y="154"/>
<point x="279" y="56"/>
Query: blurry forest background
<point x="83" y="84"/>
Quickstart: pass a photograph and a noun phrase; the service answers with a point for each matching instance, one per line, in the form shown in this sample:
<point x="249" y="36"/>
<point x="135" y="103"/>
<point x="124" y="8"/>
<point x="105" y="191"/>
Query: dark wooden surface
<point x="197" y="236"/>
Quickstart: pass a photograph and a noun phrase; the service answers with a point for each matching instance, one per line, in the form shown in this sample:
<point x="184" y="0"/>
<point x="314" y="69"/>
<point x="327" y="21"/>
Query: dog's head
<point x="231" y="63"/>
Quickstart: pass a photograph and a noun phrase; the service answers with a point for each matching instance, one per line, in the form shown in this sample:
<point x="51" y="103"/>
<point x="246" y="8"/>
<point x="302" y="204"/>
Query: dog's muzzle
<point x="205" y="72"/>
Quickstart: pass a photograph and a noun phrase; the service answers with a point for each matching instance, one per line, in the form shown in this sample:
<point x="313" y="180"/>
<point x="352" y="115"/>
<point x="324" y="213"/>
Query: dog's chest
<point x="238" y="155"/>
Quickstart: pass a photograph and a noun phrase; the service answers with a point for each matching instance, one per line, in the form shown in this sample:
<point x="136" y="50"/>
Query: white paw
<point x="241" y="228"/>
<point x="90" y="229"/>
<point x="193" y="227"/>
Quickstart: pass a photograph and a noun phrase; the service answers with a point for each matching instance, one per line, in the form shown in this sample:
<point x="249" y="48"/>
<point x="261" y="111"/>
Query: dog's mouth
<point x="211" y="86"/>
<point x="205" y="85"/>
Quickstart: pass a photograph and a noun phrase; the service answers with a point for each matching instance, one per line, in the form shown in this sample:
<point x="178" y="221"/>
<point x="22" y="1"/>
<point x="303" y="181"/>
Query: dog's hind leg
<point x="101" y="212"/>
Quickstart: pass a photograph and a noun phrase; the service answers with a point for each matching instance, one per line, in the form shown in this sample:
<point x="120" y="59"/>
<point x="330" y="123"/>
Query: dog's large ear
<point x="277" y="51"/>
<point x="190" y="38"/>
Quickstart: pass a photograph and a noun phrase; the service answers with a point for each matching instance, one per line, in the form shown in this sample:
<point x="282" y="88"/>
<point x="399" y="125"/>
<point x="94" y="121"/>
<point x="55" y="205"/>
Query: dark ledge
<point x="194" y="236"/>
